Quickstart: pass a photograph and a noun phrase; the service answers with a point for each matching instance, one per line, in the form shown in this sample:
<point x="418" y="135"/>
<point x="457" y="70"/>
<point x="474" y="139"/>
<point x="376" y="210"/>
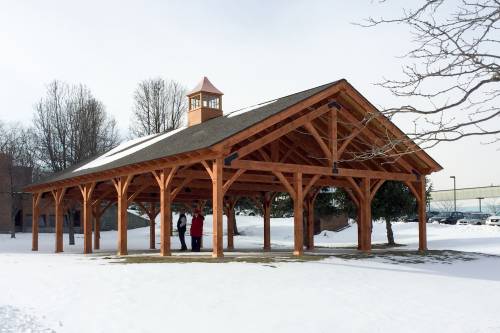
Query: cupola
<point x="205" y="102"/>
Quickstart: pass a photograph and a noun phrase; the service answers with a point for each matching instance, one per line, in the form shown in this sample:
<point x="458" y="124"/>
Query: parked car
<point x="431" y="213"/>
<point x="414" y="218"/>
<point x="493" y="220"/>
<point x="448" y="218"/>
<point x="473" y="219"/>
<point x="411" y="218"/>
<point x="437" y="218"/>
<point x="245" y="212"/>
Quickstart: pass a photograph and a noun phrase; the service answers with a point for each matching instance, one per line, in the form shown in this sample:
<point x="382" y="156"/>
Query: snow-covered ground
<point x="70" y="292"/>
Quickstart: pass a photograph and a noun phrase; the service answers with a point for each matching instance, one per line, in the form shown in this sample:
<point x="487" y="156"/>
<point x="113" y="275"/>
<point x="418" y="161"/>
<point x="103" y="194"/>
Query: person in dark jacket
<point x="196" y="230"/>
<point x="181" y="228"/>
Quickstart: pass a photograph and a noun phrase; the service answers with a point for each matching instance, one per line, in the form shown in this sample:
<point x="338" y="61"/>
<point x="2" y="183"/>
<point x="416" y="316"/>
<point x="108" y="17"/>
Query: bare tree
<point x="446" y="206"/>
<point x="451" y="82"/>
<point x="18" y="142"/>
<point x="159" y="106"/>
<point x="493" y="206"/>
<point x="71" y="125"/>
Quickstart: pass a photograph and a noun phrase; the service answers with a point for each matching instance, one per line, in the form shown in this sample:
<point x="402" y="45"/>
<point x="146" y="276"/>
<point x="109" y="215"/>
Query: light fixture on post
<point x="480" y="198"/>
<point x="454" y="193"/>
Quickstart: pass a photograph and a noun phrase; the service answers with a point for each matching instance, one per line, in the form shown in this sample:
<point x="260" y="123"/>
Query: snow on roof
<point x="127" y="148"/>
<point x="248" y="109"/>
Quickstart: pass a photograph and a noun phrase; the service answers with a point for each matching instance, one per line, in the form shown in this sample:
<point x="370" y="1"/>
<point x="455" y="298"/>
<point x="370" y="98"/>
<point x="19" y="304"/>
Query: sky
<point x="253" y="51"/>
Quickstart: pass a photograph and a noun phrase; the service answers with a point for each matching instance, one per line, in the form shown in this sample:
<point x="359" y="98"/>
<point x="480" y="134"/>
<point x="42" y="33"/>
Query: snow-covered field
<point x="70" y="292"/>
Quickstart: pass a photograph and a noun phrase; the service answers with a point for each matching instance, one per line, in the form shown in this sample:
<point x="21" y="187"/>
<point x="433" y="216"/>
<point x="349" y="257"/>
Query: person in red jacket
<point x="196" y="230"/>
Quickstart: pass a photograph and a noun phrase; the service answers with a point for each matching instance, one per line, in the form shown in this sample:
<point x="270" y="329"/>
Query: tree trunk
<point x="235" y="225"/>
<point x="71" y="229"/>
<point x="390" y="234"/>
<point x="13" y="223"/>
<point x="171" y="222"/>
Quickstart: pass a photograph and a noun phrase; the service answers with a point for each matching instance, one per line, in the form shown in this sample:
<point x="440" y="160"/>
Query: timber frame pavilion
<point x="296" y="144"/>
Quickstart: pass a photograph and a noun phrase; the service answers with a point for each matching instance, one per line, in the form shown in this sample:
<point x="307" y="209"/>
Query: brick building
<point x="15" y="205"/>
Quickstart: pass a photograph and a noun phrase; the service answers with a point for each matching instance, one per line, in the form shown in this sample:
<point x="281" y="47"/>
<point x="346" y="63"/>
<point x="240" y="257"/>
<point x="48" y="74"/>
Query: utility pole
<point x="454" y="192"/>
<point x="480" y="198"/>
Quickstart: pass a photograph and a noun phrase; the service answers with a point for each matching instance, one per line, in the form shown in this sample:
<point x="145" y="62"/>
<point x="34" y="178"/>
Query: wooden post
<point x="97" y="232"/>
<point x="217" y="197"/>
<point x="298" y="210"/>
<point x="34" y="222"/>
<point x="58" y="195"/>
<point x="310" y="222"/>
<point x="366" y="216"/>
<point x="86" y="191"/>
<point x="121" y="186"/>
<point x="333" y="135"/>
<point x="152" y="235"/>
<point x="164" y="179"/>
<point x="266" y="207"/>
<point x="165" y="220"/>
<point x="422" y="218"/>
<point x="359" y="223"/>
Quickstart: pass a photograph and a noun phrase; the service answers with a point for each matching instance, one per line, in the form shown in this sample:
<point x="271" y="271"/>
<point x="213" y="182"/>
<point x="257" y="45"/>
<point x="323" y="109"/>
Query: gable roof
<point x="186" y="139"/>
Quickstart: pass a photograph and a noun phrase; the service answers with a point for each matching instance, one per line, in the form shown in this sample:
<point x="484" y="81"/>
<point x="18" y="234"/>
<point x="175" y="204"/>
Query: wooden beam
<point x="231" y="180"/>
<point x="355" y="187"/>
<point x="103" y="195"/>
<point x="86" y="191"/>
<point x="284" y="181"/>
<point x="164" y="179"/>
<point x="375" y="188"/>
<point x="179" y="188"/>
<point x="275" y="151"/>
<point x="311" y="183"/>
<point x="413" y="190"/>
<point x="276" y="134"/>
<point x="333" y="127"/>
<point x="58" y="195"/>
<point x="311" y="169"/>
<point x="121" y="185"/>
<point x="349" y="139"/>
<point x="208" y="168"/>
<point x="131" y="169"/>
<point x="132" y="197"/>
<point x="311" y="129"/>
<point x="286" y="114"/>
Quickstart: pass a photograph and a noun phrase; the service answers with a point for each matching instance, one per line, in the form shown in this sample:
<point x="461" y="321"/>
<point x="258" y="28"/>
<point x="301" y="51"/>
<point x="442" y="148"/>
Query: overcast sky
<point x="253" y="51"/>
